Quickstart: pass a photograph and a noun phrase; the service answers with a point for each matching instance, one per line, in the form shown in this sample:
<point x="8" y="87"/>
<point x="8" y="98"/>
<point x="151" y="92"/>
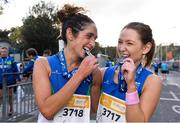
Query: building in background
<point x="5" y="43"/>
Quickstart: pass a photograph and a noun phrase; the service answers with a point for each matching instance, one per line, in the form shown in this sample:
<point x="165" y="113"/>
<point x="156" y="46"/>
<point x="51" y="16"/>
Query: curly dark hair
<point x="72" y="17"/>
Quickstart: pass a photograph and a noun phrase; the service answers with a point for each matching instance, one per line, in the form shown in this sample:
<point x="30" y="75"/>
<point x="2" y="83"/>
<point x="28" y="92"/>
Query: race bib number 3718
<point x="77" y="110"/>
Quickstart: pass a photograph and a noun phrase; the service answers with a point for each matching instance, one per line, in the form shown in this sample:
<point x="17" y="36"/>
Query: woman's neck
<point x="71" y="59"/>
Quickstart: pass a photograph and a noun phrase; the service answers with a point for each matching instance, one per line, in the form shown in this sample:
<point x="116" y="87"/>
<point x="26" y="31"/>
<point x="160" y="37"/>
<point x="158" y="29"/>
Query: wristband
<point x="132" y="98"/>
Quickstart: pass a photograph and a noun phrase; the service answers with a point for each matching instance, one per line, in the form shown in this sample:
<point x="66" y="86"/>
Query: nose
<point x="92" y="43"/>
<point x="121" y="47"/>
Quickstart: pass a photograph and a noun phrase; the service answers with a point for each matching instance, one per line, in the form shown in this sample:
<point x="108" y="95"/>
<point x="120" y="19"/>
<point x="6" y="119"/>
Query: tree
<point x="12" y="36"/>
<point x="2" y="2"/>
<point x="39" y="30"/>
<point x="15" y="37"/>
<point x="4" y="34"/>
<point x="111" y="52"/>
<point x="97" y="49"/>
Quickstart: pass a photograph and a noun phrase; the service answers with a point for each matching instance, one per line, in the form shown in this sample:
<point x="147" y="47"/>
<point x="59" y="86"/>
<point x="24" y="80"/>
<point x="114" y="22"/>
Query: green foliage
<point x="43" y="9"/>
<point x="97" y="49"/>
<point x="15" y="37"/>
<point x="4" y="34"/>
<point x="38" y="30"/>
<point x="111" y="52"/>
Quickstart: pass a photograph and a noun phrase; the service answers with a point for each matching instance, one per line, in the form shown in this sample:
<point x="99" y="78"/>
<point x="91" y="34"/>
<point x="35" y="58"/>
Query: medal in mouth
<point x="120" y="60"/>
<point x="87" y="51"/>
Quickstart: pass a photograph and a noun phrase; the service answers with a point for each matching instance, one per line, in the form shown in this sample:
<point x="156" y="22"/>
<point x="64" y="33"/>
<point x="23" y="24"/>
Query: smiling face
<point x="130" y="45"/>
<point x="85" y="38"/>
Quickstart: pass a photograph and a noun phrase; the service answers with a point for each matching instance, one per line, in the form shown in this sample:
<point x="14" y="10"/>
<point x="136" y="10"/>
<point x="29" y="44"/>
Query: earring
<point x="143" y="60"/>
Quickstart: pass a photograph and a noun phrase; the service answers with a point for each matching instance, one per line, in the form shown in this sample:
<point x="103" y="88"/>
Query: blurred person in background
<point x="164" y="70"/>
<point x="8" y="65"/>
<point x="32" y="55"/>
<point x="155" y="67"/>
<point x="46" y="53"/>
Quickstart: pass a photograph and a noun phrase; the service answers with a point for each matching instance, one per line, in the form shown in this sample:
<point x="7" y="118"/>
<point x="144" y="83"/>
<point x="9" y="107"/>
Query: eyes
<point x="91" y="35"/>
<point x="128" y="42"/>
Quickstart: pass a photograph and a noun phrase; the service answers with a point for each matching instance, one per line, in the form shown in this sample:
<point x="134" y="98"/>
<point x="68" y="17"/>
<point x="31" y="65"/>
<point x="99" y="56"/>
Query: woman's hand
<point x="87" y="66"/>
<point x="128" y="70"/>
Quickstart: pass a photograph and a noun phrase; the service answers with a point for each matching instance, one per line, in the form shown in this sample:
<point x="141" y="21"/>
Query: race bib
<point x="110" y="109"/>
<point x="77" y="110"/>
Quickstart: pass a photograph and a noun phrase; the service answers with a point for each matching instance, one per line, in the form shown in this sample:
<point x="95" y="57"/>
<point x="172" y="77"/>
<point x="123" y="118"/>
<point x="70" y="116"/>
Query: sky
<point x="111" y="16"/>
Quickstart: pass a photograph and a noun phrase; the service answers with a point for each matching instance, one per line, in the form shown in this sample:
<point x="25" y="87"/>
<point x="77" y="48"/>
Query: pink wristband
<point x="132" y="98"/>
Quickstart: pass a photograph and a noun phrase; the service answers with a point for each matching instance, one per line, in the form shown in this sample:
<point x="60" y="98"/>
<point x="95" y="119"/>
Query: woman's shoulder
<point x="42" y="63"/>
<point x="154" y="77"/>
<point x="153" y="81"/>
<point x="41" y="60"/>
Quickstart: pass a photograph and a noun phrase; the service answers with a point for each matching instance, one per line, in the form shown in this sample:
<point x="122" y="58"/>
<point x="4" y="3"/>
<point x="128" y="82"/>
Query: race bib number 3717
<point x="111" y="109"/>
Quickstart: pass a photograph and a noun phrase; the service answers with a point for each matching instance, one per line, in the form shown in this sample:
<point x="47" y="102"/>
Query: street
<point x="168" y="109"/>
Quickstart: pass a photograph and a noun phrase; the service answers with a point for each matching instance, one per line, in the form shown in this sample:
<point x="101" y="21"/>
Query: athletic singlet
<point x="78" y="107"/>
<point x="8" y="65"/>
<point x="164" y="67"/>
<point x="112" y="101"/>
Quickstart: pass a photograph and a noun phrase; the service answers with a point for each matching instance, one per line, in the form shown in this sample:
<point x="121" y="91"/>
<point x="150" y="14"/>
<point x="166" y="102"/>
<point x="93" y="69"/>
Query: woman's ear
<point x="69" y="34"/>
<point x="147" y="48"/>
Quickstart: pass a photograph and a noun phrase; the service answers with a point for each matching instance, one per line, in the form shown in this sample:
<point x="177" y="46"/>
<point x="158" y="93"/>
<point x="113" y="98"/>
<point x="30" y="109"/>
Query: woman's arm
<point x="50" y="104"/>
<point x="149" y="99"/>
<point x="140" y="110"/>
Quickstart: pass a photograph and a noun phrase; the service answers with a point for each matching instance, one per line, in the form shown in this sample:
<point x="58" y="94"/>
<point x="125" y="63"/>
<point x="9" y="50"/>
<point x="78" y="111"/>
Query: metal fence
<point x="22" y="97"/>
